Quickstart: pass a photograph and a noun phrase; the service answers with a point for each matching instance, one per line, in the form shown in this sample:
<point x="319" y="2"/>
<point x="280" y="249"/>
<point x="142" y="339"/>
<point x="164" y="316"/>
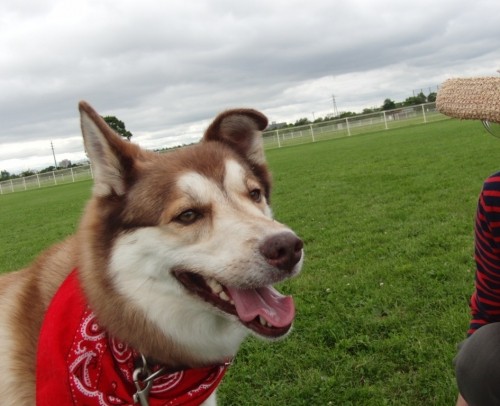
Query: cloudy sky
<point x="166" y="68"/>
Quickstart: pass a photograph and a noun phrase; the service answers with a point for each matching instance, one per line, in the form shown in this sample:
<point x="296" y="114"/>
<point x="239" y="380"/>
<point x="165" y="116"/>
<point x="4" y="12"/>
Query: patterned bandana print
<point x="79" y="364"/>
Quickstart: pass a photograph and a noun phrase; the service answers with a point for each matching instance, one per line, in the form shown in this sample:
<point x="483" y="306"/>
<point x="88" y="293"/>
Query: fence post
<point x="11" y="186"/>
<point x="312" y="132"/>
<point x="72" y="176"/>
<point x="278" y="137"/>
<point x="24" y="183"/>
<point x="347" y="124"/>
<point x="38" y="180"/>
<point x="385" y="121"/>
<point x="55" y="180"/>
<point x="423" y="112"/>
<point x="1" y="191"/>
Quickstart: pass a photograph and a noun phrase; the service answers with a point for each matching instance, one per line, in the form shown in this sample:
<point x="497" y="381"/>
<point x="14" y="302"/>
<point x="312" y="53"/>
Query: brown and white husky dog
<point x="176" y="253"/>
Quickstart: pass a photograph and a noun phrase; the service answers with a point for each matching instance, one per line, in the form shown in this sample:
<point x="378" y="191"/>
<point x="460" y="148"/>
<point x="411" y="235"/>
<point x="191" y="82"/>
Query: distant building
<point x="65" y="163"/>
<point x="275" y="126"/>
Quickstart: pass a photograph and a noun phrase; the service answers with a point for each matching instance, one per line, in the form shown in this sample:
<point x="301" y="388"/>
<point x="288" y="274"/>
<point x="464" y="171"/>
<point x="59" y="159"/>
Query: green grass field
<point x="387" y="220"/>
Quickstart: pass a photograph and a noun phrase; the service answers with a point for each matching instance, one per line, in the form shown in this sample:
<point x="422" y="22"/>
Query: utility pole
<point x="335" y="111"/>
<point x="53" y="154"/>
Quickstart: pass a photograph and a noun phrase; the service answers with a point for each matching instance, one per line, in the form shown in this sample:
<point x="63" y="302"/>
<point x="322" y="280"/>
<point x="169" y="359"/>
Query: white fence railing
<point x="382" y="120"/>
<point x="46" y="179"/>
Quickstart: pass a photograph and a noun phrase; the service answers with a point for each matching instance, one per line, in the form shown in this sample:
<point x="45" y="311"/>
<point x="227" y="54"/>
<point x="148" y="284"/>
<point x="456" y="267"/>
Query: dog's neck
<point x="75" y="350"/>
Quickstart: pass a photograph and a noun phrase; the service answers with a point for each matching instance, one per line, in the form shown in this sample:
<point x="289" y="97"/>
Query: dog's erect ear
<point x="242" y="130"/>
<point x="112" y="158"/>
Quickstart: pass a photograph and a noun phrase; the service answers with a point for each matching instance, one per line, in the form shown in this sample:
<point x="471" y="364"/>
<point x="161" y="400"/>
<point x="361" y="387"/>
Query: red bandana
<point x="79" y="364"/>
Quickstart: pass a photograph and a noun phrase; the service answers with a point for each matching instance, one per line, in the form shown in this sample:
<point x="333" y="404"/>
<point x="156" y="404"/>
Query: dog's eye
<point x="256" y="195"/>
<point x="188" y="217"/>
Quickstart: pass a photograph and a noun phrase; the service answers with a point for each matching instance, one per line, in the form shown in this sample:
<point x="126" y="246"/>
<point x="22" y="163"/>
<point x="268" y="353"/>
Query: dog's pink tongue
<point x="276" y="309"/>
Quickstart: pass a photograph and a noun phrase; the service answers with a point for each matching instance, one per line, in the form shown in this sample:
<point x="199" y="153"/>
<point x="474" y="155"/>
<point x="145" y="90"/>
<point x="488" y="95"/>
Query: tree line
<point x="388" y="104"/>
<point x="119" y="127"/>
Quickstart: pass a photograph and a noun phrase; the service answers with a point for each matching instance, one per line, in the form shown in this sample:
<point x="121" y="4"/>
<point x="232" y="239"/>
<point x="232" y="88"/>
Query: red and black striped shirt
<point x="485" y="301"/>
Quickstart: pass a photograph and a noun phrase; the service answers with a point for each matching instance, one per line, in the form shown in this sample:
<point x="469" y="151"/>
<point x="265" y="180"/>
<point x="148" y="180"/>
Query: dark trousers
<point x="477" y="367"/>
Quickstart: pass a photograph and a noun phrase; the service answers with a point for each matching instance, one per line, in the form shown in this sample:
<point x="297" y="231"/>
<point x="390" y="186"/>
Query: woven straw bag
<point x="470" y="98"/>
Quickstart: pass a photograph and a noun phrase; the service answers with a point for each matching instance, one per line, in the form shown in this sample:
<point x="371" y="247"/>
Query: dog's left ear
<point x="242" y="130"/>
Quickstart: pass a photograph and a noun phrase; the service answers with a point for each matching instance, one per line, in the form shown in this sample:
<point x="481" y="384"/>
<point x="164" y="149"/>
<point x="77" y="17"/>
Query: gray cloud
<point x="166" y="68"/>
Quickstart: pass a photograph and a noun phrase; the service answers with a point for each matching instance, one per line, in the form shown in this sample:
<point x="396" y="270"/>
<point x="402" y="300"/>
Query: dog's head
<point x="184" y="242"/>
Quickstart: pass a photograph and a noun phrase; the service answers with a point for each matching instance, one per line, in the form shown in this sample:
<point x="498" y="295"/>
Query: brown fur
<point x="119" y="204"/>
<point x="24" y="298"/>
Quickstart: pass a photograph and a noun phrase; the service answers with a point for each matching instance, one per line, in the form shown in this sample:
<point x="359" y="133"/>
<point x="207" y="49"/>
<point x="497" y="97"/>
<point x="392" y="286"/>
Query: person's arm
<point x="485" y="301"/>
<point x="461" y="401"/>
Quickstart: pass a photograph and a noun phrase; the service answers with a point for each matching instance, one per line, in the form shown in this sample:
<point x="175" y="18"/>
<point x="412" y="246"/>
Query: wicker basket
<point x="471" y="99"/>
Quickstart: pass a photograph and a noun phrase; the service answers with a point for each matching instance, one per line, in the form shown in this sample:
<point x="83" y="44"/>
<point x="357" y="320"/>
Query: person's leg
<point x="477" y="367"/>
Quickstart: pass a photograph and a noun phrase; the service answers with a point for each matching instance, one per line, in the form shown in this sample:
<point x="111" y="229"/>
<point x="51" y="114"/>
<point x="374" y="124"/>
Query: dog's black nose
<point x="283" y="250"/>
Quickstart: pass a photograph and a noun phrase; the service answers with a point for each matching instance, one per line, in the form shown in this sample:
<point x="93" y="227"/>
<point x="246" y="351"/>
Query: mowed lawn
<point x="387" y="220"/>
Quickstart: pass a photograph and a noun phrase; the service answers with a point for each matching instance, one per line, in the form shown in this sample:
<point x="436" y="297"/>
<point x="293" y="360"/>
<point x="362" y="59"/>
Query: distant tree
<point x="388" y="104"/>
<point x="302" y="121"/>
<point x="4" y="175"/>
<point x="410" y="101"/>
<point x="431" y="97"/>
<point x="118" y="126"/>
<point x="51" y="168"/>
<point x="421" y="98"/>
<point x="414" y="100"/>
<point x="28" y="172"/>
<point x="345" y="114"/>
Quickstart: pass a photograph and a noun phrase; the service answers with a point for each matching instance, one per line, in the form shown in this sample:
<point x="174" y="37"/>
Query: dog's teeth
<point x="264" y="322"/>
<point x="214" y="285"/>
<point x="224" y="296"/>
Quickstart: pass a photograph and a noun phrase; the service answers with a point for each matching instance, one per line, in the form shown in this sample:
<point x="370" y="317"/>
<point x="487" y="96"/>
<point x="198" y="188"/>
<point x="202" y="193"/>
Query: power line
<point x="53" y="154"/>
<point x="335" y="111"/>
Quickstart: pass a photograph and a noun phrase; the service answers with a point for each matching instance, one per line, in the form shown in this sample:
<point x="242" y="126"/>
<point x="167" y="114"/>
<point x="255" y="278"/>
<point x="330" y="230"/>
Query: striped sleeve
<point x="485" y="301"/>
